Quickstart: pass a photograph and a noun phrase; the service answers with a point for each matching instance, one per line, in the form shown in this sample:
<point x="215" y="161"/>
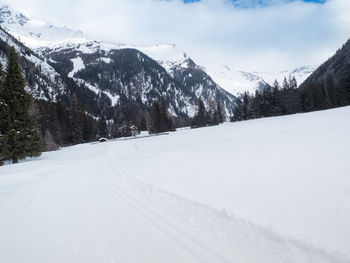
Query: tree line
<point x="210" y="117"/>
<point x="28" y="127"/>
<point x="328" y="94"/>
<point x="287" y="98"/>
<point x="271" y="101"/>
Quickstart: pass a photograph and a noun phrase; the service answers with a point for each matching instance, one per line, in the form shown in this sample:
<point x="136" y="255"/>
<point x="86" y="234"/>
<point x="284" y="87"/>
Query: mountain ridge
<point x="235" y="82"/>
<point x="35" y="32"/>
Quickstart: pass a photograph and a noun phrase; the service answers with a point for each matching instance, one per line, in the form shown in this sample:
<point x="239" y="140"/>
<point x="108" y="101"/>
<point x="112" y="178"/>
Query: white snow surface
<point x="271" y="190"/>
<point x="78" y="64"/>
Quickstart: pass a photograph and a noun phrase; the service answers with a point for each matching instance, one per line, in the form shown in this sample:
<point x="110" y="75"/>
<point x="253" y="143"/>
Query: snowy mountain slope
<point x="237" y="82"/>
<point x="234" y="81"/>
<point x="35" y="32"/>
<point x="182" y="101"/>
<point x="42" y="80"/>
<point x="122" y="71"/>
<point x="38" y="34"/>
<point x="46" y="39"/>
<point x="194" y="196"/>
<point x="168" y="56"/>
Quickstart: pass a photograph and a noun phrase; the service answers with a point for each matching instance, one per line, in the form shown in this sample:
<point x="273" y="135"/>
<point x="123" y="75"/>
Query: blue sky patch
<point x="262" y="2"/>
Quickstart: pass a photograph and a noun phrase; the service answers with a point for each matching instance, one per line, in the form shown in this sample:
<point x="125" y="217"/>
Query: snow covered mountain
<point x="35" y="32"/>
<point x="234" y="81"/>
<point x="42" y="80"/>
<point x="125" y="74"/>
<point x="237" y="82"/>
<point x="145" y="76"/>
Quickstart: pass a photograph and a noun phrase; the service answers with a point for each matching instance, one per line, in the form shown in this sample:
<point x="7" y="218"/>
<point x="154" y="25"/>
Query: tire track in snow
<point x="162" y="224"/>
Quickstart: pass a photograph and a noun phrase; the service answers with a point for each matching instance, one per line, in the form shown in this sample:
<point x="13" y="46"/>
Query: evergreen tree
<point x="245" y="106"/>
<point x="143" y="124"/>
<point x="256" y="106"/>
<point x="200" y="120"/>
<point x="160" y="119"/>
<point x="75" y="121"/>
<point x="345" y="82"/>
<point x="90" y="128"/>
<point x="102" y="127"/>
<point x="238" y="111"/>
<point x="166" y="122"/>
<point x="212" y="114"/>
<point x="155" y="118"/>
<point x="220" y="116"/>
<point x="275" y="102"/>
<point x="4" y="115"/>
<point x="293" y="83"/>
<point x="285" y="84"/>
<point x="20" y="134"/>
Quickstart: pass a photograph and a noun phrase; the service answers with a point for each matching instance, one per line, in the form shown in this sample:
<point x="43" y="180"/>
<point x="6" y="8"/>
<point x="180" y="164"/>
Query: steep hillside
<point x="227" y="77"/>
<point x="107" y="80"/>
<point x="329" y="85"/>
<point x="198" y="82"/>
<point x="127" y="75"/>
<point x="53" y="94"/>
<point x="42" y="80"/>
<point x="36" y="33"/>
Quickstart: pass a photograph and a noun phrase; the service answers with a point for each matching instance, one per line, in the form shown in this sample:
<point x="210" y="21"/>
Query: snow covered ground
<point x="270" y="190"/>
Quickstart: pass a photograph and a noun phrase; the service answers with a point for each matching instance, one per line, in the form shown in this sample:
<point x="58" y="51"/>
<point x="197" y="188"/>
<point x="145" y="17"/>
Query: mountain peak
<point x="9" y="16"/>
<point x="35" y="32"/>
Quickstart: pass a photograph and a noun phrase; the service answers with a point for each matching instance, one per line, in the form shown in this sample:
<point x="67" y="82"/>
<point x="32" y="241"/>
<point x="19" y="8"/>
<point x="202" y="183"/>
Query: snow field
<point x="269" y="190"/>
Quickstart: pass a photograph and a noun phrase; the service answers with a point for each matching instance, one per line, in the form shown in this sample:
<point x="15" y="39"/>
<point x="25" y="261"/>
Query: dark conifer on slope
<point x="329" y="85"/>
<point x="214" y="115"/>
<point x="20" y="135"/>
<point x="272" y="101"/>
<point x="160" y="120"/>
<point x="102" y="127"/>
<point x="155" y="118"/>
<point x="200" y="120"/>
<point x="3" y="120"/>
<point x="76" y="121"/>
<point x="219" y="114"/>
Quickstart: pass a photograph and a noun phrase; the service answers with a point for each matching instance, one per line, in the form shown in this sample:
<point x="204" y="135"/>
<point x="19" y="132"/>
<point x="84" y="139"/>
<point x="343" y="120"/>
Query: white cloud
<point x="282" y="35"/>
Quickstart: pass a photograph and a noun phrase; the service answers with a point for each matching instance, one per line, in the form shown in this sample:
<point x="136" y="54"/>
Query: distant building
<point x="102" y="139"/>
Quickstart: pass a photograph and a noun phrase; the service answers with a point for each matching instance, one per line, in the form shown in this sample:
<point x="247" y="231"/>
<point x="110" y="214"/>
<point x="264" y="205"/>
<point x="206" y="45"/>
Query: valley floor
<point x="269" y="190"/>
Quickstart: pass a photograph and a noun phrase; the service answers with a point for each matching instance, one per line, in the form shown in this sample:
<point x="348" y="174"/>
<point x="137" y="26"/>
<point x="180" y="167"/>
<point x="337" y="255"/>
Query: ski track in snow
<point x="218" y="224"/>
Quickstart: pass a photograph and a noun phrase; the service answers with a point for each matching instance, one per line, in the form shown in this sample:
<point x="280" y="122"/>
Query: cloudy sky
<point x="246" y="34"/>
